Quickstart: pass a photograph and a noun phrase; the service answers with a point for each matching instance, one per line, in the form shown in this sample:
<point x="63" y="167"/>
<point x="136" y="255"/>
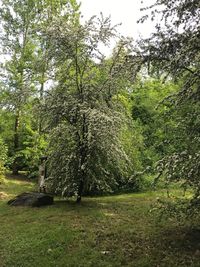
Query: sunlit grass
<point x="11" y="186"/>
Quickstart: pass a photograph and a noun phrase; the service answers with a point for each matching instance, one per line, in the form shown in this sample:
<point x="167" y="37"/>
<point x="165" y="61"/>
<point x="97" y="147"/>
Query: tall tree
<point x="17" y="22"/>
<point x="25" y="69"/>
<point x="85" y="121"/>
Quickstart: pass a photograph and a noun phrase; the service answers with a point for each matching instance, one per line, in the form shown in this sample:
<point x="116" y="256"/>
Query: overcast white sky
<point x="126" y="12"/>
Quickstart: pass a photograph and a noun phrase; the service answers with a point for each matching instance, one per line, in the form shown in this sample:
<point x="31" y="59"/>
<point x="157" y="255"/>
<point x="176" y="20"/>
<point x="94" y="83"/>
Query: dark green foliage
<point x="152" y="117"/>
<point x="174" y="50"/>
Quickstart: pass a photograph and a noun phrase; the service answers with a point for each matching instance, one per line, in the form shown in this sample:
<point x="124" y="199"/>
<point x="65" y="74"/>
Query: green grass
<point x="104" y="231"/>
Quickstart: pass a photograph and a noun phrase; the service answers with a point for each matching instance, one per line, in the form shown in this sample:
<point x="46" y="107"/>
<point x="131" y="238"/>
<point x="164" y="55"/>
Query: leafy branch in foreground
<point x="174" y="50"/>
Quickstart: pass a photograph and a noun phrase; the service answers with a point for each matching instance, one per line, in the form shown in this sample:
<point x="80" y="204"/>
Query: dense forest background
<point x="107" y="124"/>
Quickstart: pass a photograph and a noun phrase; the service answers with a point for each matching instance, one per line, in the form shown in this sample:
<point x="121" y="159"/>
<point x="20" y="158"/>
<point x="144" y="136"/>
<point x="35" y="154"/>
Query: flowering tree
<point x="84" y="115"/>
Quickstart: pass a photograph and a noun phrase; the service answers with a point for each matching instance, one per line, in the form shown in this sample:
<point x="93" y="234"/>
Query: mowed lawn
<point x="103" y="231"/>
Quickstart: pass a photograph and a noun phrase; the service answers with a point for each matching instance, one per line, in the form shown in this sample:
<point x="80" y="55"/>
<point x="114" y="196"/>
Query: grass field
<point x="104" y="231"/>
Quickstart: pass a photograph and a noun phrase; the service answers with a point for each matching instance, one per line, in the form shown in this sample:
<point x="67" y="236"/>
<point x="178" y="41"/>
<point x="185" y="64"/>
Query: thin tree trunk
<point x="83" y="155"/>
<point x="80" y="191"/>
<point x="15" y="167"/>
<point x="40" y="113"/>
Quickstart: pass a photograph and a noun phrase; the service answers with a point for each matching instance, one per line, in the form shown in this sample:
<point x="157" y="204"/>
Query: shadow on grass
<point x="22" y="176"/>
<point x="69" y="203"/>
<point x="185" y="239"/>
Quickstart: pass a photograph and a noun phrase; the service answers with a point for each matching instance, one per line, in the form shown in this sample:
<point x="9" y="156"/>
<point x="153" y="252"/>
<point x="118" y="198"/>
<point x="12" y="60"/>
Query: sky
<point x="126" y="12"/>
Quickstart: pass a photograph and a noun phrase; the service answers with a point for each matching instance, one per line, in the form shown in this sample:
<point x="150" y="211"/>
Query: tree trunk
<point x="15" y="167"/>
<point x="80" y="192"/>
<point x="41" y="99"/>
<point x="83" y="146"/>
